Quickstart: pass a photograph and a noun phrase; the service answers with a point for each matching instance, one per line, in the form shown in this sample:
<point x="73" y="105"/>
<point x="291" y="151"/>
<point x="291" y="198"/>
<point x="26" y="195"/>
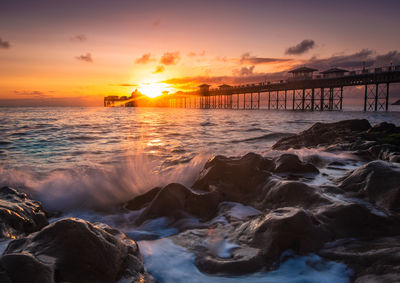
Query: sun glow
<point x="153" y="89"/>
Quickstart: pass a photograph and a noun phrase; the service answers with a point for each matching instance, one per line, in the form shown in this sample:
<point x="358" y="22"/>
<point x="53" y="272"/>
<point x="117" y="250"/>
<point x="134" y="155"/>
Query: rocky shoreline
<point x="354" y="220"/>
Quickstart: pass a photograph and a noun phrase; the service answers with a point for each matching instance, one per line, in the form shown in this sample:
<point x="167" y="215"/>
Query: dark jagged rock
<point x="73" y="250"/>
<point x="236" y="179"/>
<point x="354" y="220"/>
<point x="372" y="260"/>
<point x="141" y="201"/>
<point x="291" y="193"/>
<point x="176" y="201"/>
<point x="18" y="214"/>
<point x="284" y="229"/>
<point x="378" y="181"/>
<point x="324" y="134"/>
<point x="244" y="260"/>
<point x="290" y="163"/>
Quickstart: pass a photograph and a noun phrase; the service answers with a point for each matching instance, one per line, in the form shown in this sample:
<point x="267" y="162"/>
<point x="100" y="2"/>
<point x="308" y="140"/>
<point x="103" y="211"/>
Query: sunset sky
<point x="77" y="52"/>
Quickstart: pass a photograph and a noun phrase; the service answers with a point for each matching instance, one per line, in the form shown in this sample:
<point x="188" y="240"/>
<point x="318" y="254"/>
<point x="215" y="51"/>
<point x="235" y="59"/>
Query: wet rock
<point x="290" y="163"/>
<point x="244" y="260"/>
<point x="325" y="134"/>
<point x="177" y="201"/>
<point x="378" y="181"/>
<point x="141" y="201"/>
<point x="372" y="260"/>
<point x="354" y="220"/>
<point x="284" y="229"/>
<point x="73" y="250"/>
<point x="19" y="214"/>
<point x="293" y="194"/>
<point x="237" y="179"/>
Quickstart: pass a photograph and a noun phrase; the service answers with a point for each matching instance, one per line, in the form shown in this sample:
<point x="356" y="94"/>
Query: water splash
<point x="98" y="186"/>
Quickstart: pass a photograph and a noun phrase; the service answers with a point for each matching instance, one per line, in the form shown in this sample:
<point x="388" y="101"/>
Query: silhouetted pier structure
<point x="303" y="91"/>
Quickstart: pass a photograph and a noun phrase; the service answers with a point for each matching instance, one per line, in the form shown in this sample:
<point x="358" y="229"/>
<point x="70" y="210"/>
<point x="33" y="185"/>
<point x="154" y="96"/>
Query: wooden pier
<point x="302" y="91"/>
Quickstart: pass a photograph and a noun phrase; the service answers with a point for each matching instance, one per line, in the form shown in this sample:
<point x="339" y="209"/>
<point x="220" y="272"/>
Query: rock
<point x="141" y="201"/>
<point x="177" y="201"/>
<point x="290" y="163"/>
<point x="244" y="260"/>
<point x="19" y="215"/>
<point x="73" y="250"/>
<point x="284" y="229"/>
<point x="354" y="220"/>
<point x="378" y="181"/>
<point x="237" y="179"/>
<point x="324" y="134"/>
<point x="291" y="193"/>
<point x="372" y="260"/>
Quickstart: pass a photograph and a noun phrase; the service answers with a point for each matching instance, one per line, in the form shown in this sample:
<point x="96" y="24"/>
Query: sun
<point x="152" y="89"/>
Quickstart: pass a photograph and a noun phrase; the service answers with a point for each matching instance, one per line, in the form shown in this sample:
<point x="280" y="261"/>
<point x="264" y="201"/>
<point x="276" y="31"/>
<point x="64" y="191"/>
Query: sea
<point x="84" y="162"/>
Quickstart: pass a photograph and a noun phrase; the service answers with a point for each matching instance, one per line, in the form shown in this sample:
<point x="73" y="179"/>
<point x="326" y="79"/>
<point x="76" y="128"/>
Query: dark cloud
<point x="301" y="48"/>
<point x="129" y="85"/>
<point x="159" y="69"/>
<point x="79" y="37"/>
<point x="355" y="60"/>
<point x="390" y="57"/>
<point x="146" y="58"/>
<point x="246" y="58"/>
<point x="4" y="44"/>
<point x="156" y="23"/>
<point x="170" y="58"/>
<point x="244" y="71"/>
<point x="86" y="58"/>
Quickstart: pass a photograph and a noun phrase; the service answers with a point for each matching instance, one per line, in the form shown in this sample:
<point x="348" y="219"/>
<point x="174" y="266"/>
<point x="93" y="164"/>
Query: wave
<point x="100" y="187"/>
<point x="271" y="136"/>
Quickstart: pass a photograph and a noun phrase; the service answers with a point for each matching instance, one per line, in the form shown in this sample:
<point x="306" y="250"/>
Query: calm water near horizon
<point x="76" y="160"/>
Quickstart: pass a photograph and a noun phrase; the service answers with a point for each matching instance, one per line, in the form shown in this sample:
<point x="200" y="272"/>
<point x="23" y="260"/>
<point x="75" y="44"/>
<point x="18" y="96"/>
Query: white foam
<point x="169" y="262"/>
<point x="241" y="211"/>
<point x="100" y="186"/>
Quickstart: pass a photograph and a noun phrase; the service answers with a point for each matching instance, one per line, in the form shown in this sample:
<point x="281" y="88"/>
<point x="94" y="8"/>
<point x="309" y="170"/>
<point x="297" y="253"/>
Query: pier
<point x="303" y="91"/>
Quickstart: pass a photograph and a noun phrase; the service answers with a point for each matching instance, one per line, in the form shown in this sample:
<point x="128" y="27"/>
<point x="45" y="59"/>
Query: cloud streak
<point x="85" y="58"/>
<point x="159" y="69"/>
<point x="246" y="58"/>
<point x="79" y="37"/>
<point x="4" y="44"/>
<point x="146" y="58"/>
<point x="170" y="58"/>
<point x="301" y="48"/>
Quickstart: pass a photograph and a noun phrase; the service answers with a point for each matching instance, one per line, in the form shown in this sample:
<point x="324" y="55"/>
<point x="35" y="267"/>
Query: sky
<point x="70" y="52"/>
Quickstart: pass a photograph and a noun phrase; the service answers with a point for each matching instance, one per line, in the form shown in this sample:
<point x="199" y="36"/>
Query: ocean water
<point x="83" y="161"/>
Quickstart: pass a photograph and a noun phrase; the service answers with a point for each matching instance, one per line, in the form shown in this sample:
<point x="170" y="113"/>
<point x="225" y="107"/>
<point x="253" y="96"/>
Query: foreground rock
<point x="372" y="260"/>
<point x="325" y="134"/>
<point x="381" y="141"/>
<point x="176" y="201"/>
<point x="73" y="250"/>
<point x="19" y="215"/>
<point x="378" y="182"/>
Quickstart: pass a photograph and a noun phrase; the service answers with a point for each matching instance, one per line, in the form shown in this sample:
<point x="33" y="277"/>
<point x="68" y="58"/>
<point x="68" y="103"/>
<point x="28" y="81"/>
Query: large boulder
<point x="325" y="134"/>
<point x="73" y="250"/>
<point x="237" y="179"/>
<point x="177" y="201"/>
<point x="354" y="220"/>
<point x="378" y="181"/>
<point x="372" y="260"/>
<point x="19" y="214"/>
<point x="290" y="163"/>
<point x="291" y="193"/>
<point x="284" y="229"/>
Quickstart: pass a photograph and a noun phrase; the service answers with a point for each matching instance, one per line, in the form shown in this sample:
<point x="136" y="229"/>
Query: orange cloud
<point x="146" y="58"/>
<point x="170" y="58"/>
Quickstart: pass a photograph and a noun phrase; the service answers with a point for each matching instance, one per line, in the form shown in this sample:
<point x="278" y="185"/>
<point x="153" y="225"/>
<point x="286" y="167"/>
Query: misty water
<point x="85" y="161"/>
